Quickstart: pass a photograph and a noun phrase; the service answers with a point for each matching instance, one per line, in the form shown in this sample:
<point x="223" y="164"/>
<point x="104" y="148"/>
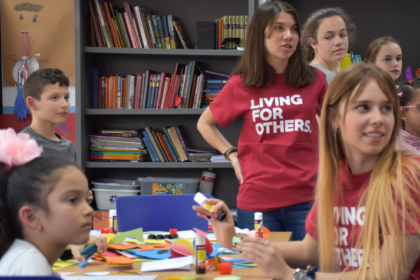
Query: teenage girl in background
<point x="365" y="220"/>
<point x="43" y="207"/>
<point x="409" y="137"/>
<point x="386" y="53"/>
<point x="325" y="41"/>
<point x="278" y="96"/>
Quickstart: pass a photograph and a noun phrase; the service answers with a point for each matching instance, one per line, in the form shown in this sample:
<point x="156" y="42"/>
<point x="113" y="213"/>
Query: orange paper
<point x="121" y="260"/>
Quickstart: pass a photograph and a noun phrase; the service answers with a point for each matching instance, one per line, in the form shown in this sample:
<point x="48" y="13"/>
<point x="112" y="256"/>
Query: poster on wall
<point x="42" y="30"/>
<point x="49" y="25"/>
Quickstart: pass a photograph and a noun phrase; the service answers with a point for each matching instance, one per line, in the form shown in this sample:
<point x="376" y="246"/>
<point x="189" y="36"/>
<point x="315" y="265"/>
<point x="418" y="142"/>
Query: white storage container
<point x="116" y="184"/>
<point x="106" y="199"/>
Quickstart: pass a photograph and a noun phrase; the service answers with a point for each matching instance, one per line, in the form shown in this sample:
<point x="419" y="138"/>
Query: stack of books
<point x="116" y="148"/>
<point x="213" y="87"/>
<point x="219" y="158"/>
<point x="201" y="154"/>
<point x="134" y="27"/>
<point x="181" y="89"/>
<point x="231" y="27"/>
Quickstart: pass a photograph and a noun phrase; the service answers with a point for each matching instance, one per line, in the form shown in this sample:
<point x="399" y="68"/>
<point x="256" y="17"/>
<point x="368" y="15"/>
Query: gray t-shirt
<point x="64" y="147"/>
<point x="330" y="75"/>
<point x="24" y="259"/>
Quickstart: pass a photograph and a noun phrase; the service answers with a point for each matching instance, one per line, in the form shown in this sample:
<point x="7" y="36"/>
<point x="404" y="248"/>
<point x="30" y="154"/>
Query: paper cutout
<point x="97" y="273"/>
<point x="408" y="74"/>
<point x="155" y="241"/>
<point x="119" y="261"/>
<point x="123" y="246"/>
<point x="147" y="247"/>
<point x="62" y="264"/>
<point x="135" y="233"/>
<point x="178" y="263"/>
<point x="110" y="253"/>
<point x="155" y="254"/>
<point x="178" y="250"/>
<point x="64" y="274"/>
<point x="184" y="243"/>
<point x="127" y="255"/>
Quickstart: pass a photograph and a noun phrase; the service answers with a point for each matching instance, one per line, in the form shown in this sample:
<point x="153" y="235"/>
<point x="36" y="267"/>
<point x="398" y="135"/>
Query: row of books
<point x="116" y="148"/>
<point x="231" y="27"/>
<point x="213" y="88"/>
<point x="135" y="27"/>
<point x="182" y="89"/>
<point x="350" y="59"/>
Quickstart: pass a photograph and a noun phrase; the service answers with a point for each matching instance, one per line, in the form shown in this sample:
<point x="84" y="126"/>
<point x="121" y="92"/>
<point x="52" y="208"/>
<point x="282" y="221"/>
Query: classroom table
<point x="244" y="273"/>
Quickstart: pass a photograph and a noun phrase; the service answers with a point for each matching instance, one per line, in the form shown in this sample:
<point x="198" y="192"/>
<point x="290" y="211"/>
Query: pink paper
<point x="64" y="274"/>
<point x="110" y="253"/>
<point x="127" y="255"/>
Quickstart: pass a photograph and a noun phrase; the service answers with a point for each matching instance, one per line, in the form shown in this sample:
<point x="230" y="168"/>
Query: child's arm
<point x="100" y="242"/>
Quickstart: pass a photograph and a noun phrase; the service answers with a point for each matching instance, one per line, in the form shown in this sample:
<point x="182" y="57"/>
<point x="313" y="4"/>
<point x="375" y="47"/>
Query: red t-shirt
<point x="349" y="222"/>
<point x="278" y="144"/>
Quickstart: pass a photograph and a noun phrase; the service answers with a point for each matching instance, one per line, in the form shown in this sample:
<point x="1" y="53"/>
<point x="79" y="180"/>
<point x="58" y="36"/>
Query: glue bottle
<point x="201" y="199"/>
<point x="113" y="220"/>
<point x="200" y="254"/>
<point x="207" y="182"/>
<point x="258" y="224"/>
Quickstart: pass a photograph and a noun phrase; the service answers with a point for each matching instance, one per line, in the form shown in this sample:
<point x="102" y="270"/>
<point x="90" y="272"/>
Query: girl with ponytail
<point x="365" y="221"/>
<point x="43" y="207"/>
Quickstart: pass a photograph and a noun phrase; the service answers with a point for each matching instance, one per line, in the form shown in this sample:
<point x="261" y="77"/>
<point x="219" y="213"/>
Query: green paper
<point x="135" y="233"/>
<point x="236" y="239"/>
<point x="247" y="264"/>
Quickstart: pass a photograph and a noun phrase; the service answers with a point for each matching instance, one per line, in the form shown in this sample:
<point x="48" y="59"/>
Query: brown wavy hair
<point x="253" y="67"/>
<point x="311" y="26"/>
<point x="374" y="47"/>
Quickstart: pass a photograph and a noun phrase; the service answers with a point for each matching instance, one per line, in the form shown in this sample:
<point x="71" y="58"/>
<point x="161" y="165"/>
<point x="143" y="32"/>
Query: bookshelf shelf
<point x="94" y="164"/>
<point x="144" y="111"/>
<point x="177" y="52"/>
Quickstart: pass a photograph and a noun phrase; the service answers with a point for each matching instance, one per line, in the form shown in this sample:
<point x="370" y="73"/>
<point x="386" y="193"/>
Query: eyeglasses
<point x="412" y="106"/>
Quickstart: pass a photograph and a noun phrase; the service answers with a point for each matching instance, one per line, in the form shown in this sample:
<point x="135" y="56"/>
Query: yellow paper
<point x="154" y="241"/>
<point x="143" y="260"/>
<point x="133" y="241"/>
<point x="61" y="264"/>
<point x="110" y="236"/>
<point x="185" y="243"/>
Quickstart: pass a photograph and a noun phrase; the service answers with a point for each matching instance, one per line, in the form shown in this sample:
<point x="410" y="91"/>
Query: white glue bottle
<point x="258" y="224"/>
<point x="113" y="220"/>
<point x="207" y="182"/>
<point x="200" y="254"/>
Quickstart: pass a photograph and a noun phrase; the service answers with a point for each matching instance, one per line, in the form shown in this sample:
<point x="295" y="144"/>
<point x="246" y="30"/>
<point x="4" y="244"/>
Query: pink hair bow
<point x="17" y="149"/>
<point x="400" y="94"/>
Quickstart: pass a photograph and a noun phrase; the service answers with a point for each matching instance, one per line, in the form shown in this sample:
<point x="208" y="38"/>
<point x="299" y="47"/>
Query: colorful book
<point x="151" y="146"/>
<point x="141" y="27"/>
<point x="166" y="32"/>
<point x="165" y="92"/>
<point x="177" y="143"/>
<point x="161" y="90"/>
<point x="145" y="89"/>
<point x="96" y="25"/>
<point x="151" y="30"/>
<point x="157" y="33"/>
<point x="149" y="133"/>
<point x="162" y="34"/>
<point x="168" y="144"/>
<point x="181" y="34"/>
<point x="171" y="144"/>
<point x="102" y="24"/>
<point x="130" y="30"/>
<point x="171" y="31"/>
<point x="165" y="148"/>
<point x="162" y="151"/>
<point x="123" y="27"/>
<point x="183" y="138"/>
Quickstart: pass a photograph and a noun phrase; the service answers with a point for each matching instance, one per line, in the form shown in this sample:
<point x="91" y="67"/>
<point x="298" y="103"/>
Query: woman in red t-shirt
<point x="278" y="96"/>
<point x="366" y="220"/>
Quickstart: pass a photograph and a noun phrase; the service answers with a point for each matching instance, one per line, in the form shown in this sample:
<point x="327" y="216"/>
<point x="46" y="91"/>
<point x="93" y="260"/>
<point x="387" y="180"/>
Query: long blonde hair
<point x="388" y="196"/>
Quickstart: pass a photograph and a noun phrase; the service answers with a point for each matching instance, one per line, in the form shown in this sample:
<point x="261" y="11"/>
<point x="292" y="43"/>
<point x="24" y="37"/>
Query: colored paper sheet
<point x="154" y="241"/>
<point x="130" y="256"/>
<point x="61" y="264"/>
<point x="155" y="254"/>
<point x="64" y="274"/>
<point x="110" y="253"/>
<point x="123" y="246"/>
<point x="135" y="233"/>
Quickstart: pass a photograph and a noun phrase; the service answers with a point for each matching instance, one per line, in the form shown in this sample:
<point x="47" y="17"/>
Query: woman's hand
<point x="100" y="242"/>
<point x="223" y="230"/>
<point x="233" y="157"/>
<point x="266" y="256"/>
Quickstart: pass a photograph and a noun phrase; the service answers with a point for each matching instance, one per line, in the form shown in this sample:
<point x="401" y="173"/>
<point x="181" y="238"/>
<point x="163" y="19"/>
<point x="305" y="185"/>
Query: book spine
<point x="137" y="95"/>
<point x="152" y="93"/>
<point x="168" y="94"/>
<point x="141" y="27"/>
<point x="149" y="148"/>
<point x="146" y="88"/>
<point x="110" y="25"/>
<point x="131" y="80"/>
<point x="200" y="93"/>
<point x="166" y="133"/>
<point x="152" y="147"/>
<point x="175" y="90"/>
<point x="102" y="22"/>
<point x="121" y="31"/>
<point x="171" y="31"/>
<point x="142" y="91"/>
<point x="130" y="31"/>
<point x="216" y="38"/>
<point x="161" y="90"/>
<point x="162" y="151"/>
<point x="181" y="138"/>
<point x="149" y="133"/>
<point x="119" y="93"/>
<point x="130" y="23"/>
<point x="169" y="147"/>
<point x="165" y="148"/>
<point x="119" y="34"/>
<point x="242" y="31"/>
<point x="127" y="38"/>
<point x="149" y="91"/>
<point x="191" y="97"/>
<point x="144" y="18"/>
<point x="95" y="24"/>
<point x="177" y="143"/>
<point x="166" y="31"/>
<point x="179" y="32"/>
<point x="165" y="92"/>
<point x="246" y="27"/>
<point x="156" y="30"/>
<point x="196" y="92"/>
<point x="185" y="93"/>
<point x="162" y="35"/>
<point x="135" y="26"/>
<point x="151" y="31"/>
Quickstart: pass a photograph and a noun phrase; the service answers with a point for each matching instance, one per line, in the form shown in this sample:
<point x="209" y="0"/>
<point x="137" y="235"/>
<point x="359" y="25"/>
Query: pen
<point x="88" y="257"/>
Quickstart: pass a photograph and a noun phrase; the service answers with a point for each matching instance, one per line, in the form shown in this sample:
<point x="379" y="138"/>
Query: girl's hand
<point x="266" y="256"/>
<point x="100" y="242"/>
<point x="224" y="230"/>
<point x="233" y="157"/>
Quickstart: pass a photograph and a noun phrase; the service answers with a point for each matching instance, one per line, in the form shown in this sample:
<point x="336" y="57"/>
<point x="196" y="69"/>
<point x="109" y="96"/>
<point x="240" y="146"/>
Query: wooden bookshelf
<point x="135" y="61"/>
